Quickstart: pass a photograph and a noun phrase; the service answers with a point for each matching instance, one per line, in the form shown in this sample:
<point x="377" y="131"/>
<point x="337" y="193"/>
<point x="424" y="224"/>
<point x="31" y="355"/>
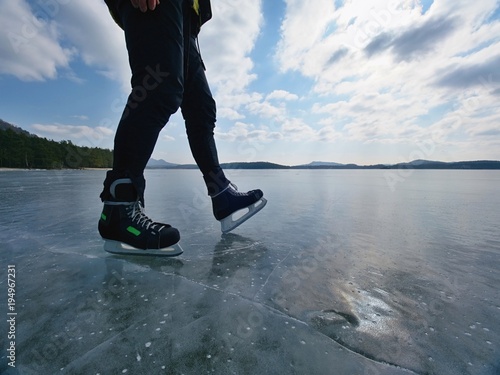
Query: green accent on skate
<point x="134" y="231"/>
<point x="103" y="217"/>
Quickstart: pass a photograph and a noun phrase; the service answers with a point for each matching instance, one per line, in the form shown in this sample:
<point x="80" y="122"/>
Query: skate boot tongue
<point x="136" y="213"/>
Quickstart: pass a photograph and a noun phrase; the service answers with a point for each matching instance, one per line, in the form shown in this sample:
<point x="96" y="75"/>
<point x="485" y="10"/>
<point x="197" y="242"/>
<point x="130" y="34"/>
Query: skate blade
<point x="116" y="247"/>
<point x="229" y="223"/>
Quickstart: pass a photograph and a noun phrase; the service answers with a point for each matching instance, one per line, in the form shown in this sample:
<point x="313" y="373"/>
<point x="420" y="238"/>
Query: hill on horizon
<point x="21" y="149"/>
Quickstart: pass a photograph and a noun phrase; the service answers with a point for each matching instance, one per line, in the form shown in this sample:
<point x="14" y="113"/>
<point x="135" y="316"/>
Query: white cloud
<point x="40" y="42"/>
<point x="266" y="110"/>
<point x="226" y="42"/>
<point x="381" y="69"/>
<point x="241" y="132"/>
<point x="88" y="26"/>
<point x="81" y="117"/>
<point x="29" y="45"/>
<point x="328" y="134"/>
<point x="80" y="134"/>
<point x="281" y="95"/>
<point x="229" y="113"/>
<point x="297" y="130"/>
<point x="167" y="138"/>
<point x="302" y="29"/>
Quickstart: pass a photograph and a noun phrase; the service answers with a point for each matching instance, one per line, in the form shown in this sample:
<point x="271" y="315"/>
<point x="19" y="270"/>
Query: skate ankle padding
<point x="123" y="189"/>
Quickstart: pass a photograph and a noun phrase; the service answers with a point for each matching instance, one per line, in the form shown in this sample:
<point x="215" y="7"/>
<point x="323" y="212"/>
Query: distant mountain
<point x="316" y="164"/>
<point x="253" y="165"/>
<point x="427" y="164"/>
<point x="162" y="164"/>
<point x="158" y="164"/>
<point x="326" y="165"/>
<point x="423" y="162"/>
<point x="416" y="164"/>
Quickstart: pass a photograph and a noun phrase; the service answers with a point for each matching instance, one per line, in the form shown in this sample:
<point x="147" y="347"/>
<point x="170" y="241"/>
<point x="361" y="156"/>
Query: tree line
<point x="23" y="150"/>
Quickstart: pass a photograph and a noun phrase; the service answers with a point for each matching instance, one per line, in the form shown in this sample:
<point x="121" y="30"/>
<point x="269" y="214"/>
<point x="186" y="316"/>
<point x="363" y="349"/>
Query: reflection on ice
<point x="374" y="313"/>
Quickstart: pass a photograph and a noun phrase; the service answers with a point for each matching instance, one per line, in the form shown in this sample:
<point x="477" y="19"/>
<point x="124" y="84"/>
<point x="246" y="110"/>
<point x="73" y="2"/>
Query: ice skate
<point x="232" y="208"/>
<point x="126" y="229"/>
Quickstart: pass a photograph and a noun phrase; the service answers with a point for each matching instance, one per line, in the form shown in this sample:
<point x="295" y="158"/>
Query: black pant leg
<point x="155" y="44"/>
<point x="199" y="112"/>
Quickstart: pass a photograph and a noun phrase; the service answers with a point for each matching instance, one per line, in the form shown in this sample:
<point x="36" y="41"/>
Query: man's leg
<point x="199" y="111"/>
<point x="155" y="45"/>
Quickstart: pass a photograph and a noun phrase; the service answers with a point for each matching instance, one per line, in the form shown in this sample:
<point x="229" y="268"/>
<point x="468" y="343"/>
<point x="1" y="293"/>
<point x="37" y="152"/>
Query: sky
<point x="349" y="81"/>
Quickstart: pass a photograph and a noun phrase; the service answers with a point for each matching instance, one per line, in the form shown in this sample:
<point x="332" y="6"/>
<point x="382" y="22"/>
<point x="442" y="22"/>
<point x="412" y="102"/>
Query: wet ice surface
<point x="339" y="274"/>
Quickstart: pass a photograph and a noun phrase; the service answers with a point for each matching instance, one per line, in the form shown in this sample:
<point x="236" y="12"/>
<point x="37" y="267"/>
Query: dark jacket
<point x="205" y="13"/>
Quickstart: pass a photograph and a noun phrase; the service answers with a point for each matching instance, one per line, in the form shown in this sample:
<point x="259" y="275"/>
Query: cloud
<point x="266" y="110"/>
<point x="484" y="73"/>
<point x="229" y="114"/>
<point x="490" y="131"/>
<point x="281" y="95"/>
<point x="383" y="68"/>
<point x="88" y="26"/>
<point x="81" y="117"/>
<point x="337" y="55"/>
<point x="43" y="39"/>
<point x="329" y="134"/>
<point x="242" y="132"/>
<point x="414" y="42"/>
<point x="81" y="134"/>
<point x="167" y="138"/>
<point x="302" y="29"/>
<point x="226" y="42"/>
<point x="379" y="44"/>
<point x="29" y="44"/>
<point x="295" y="130"/>
<point x="290" y="130"/>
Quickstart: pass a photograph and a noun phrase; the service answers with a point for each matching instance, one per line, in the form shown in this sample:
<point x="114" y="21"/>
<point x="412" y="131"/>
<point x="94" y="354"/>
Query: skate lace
<point x="137" y="215"/>
<point x="234" y="190"/>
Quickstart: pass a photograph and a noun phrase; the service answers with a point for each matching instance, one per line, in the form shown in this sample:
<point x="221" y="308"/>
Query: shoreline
<point x="3" y="169"/>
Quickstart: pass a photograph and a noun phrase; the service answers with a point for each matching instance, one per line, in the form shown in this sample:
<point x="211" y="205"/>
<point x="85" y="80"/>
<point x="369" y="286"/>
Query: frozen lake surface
<point x="344" y="272"/>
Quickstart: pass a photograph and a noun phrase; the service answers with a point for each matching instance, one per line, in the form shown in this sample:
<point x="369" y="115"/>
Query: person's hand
<point x="144" y="5"/>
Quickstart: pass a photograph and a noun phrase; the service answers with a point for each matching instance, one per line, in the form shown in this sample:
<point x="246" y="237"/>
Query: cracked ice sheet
<point x="110" y="315"/>
<point x="299" y="282"/>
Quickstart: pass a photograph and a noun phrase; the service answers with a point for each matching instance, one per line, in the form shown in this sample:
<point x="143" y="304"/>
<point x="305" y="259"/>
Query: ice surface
<point x="341" y="273"/>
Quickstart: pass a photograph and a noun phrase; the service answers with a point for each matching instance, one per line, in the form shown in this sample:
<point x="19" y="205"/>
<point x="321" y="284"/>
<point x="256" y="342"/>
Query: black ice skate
<point x="232" y="208"/>
<point x="127" y="230"/>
